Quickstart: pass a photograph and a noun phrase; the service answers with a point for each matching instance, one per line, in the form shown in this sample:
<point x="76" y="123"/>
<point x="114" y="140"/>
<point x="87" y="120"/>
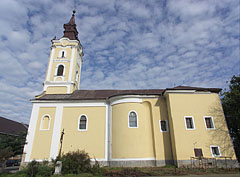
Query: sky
<point x="127" y="44"/>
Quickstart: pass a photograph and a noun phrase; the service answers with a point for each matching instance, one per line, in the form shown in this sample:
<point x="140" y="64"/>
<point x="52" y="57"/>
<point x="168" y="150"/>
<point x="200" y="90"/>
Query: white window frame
<point x="83" y="130"/>
<point x="211" y="146"/>
<point x="129" y="120"/>
<point x="185" y="122"/>
<point x="41" y="128"/>
<point x="161" y="126"/>
<point x="204" y="119"/>
<point x="60" y="54"/>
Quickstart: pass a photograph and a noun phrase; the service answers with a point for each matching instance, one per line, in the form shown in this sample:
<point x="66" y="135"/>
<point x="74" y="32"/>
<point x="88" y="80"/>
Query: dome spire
<point x="70" y="30"/>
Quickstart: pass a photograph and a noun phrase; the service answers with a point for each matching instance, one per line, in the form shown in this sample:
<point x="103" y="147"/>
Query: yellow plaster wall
<point x="198" y="106"/>
<point x="92" y="140"/>
<point x="131" y="142"/>
<point x="161" y="139"/>
<point x="56" y="90"/>
<point x="42" y="139"/>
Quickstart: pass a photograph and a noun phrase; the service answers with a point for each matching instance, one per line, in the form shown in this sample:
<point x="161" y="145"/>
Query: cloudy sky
<point x="128" y="44"/>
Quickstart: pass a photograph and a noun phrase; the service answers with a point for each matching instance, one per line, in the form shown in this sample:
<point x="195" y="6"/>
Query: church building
<point x="151" y="127"/>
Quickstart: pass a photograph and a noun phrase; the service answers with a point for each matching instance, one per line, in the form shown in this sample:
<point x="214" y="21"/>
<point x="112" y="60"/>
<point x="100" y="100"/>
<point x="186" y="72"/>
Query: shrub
<point x="32" y="168"/>
<point x="45" y="170"/>
<point x="35" y="168"/>
<point x="76" y="162"/>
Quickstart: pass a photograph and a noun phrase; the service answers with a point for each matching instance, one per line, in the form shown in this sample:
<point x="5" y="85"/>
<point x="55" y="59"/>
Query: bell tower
<point x="64" y="66"/>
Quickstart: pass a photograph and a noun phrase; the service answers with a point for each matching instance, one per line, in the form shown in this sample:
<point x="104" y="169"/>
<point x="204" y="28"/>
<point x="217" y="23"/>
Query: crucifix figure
<point x="61" y="140"/>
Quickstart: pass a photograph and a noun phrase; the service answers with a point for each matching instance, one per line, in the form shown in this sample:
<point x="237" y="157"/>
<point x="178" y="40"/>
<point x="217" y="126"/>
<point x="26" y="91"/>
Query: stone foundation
<point x="218" y="163"/>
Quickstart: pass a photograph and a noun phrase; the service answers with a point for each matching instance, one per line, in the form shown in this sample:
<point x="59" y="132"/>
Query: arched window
<point x="63" y="54"/>
<point x="132" y="120"/>
<point x="82" y="123"/>
<point x="60" y="70"/>
<point x="45" y="122"/>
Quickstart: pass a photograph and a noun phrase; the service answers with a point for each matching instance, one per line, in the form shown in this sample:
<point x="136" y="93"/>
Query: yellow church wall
<point x="92" y="140"/>
<point x="56" y="90"/>
<point x="42" y="139"/>
<point x="198" y="106"/>
<point x="161" y="139"/>
<point x="131" y="142"/>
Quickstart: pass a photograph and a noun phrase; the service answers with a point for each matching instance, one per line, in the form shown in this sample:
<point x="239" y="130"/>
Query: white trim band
<point x="134" y="159"/>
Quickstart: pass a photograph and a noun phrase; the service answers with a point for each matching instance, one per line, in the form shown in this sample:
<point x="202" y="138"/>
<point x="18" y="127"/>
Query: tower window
<point x="82" y="125"/>
<point x="132" y="120"/>
<point x="45" y="122"/>
<point x="60" y="70"/>
<point x="62" y="54"/>
<point x="189" y="123"/>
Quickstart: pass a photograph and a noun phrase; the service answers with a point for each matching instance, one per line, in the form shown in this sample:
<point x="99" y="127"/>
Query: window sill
<point x="190" y="128"/>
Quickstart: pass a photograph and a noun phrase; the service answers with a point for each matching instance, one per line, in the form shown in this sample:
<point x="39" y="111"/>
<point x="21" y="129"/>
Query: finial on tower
<point x="70" y="28"/>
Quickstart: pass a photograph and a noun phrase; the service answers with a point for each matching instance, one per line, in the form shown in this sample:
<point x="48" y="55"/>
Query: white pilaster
<point x="109" y="132"/>
<point x="106" y="133"/>
<point x="71" y="65"/>
<point x="31" y="133"/>
<point x="56" y="132"/>
<point x="50" y="64"/>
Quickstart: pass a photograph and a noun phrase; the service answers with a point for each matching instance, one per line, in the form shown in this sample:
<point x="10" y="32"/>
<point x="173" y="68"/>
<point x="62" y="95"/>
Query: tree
<point x="11" y="145"/>
<point x="231" y="107"/>
<point x="4" y="155"/>
<point x="15" y="143"/>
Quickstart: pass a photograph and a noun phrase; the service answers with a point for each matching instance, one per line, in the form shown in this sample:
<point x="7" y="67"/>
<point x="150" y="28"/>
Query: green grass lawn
<point x="147" y="171"/>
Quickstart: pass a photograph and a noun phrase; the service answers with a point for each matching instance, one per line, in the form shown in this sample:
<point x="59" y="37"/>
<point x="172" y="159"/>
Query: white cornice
<point x="64" y="39"/>
<point x="185" y="91"/>
<point x="68" y="103"/>
<point x="179" y="91"/>
<point x="129" y="98"/>
<point x="58" y="83"/>
<point x="55" y="102"/>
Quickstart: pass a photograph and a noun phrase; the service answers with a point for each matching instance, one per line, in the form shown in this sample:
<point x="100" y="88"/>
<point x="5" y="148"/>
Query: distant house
<point x="10" y="127"/>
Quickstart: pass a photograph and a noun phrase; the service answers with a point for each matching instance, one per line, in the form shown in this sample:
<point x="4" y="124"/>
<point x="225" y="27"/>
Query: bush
<point x="76" y="162"/>
<point x="35" y="168"/>
<point x="32" y="168"/>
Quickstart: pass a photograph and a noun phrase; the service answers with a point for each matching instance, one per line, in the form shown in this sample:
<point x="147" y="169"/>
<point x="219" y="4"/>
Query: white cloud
<point x="127" y="45"/>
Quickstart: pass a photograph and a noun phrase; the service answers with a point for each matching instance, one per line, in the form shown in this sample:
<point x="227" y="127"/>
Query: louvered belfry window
<point x="60" y="70"/>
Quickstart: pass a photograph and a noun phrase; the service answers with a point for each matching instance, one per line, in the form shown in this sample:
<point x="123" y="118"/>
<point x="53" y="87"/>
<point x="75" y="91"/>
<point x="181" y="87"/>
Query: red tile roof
<point x="98" y="94"/>
<point x="214" y="90"/>
<point x="106" y="94"/>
